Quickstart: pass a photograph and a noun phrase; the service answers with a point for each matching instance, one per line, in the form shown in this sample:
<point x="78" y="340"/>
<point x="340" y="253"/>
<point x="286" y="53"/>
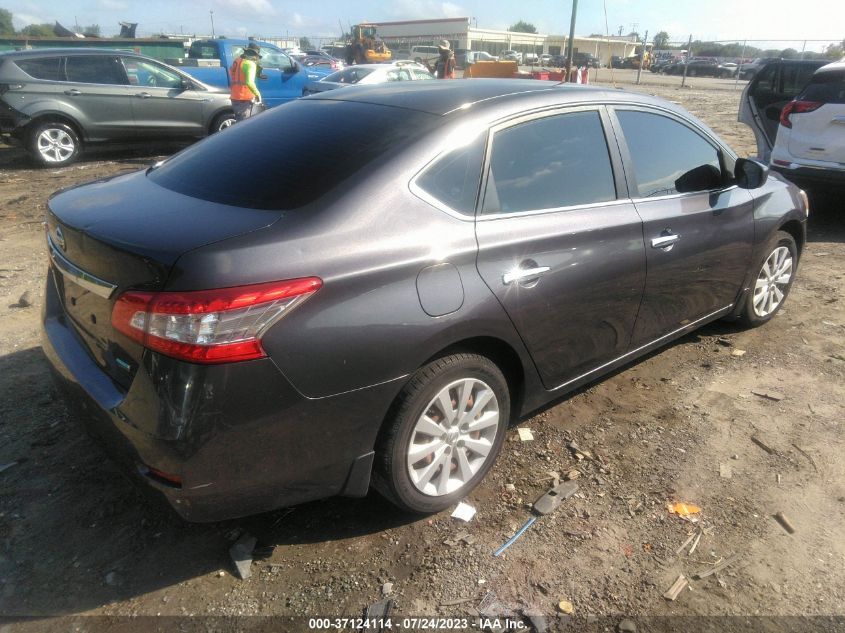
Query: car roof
<point x="834" y="67"/>
<point x="50" y="52"/>
<point x="445" y="97"/>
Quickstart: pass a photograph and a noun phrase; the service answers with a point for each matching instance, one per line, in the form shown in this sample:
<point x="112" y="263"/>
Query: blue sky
<point x="715" y="19"/>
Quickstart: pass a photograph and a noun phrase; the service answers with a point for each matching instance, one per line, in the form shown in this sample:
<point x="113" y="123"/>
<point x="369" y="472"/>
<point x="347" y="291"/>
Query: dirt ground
<point x="78" y="539"/>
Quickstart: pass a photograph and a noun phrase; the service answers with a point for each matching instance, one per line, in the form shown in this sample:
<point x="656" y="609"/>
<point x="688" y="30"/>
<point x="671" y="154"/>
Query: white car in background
<point x="367" y="74"/>
<point x="810" y="144"/>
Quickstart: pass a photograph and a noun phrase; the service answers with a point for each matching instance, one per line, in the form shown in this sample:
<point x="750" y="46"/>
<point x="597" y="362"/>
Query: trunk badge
<point x="60" y="238"/>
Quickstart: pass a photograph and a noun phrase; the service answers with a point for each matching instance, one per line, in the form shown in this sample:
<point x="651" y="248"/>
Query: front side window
<point x="269" y="58"/>
<point x="557" y="161"/>
<point x="49" y="68"/>
<point x="144" y="73"/>
<point x="663" y="150"/>
<point x="350" y="75"/>
<point x="95" y="69"/>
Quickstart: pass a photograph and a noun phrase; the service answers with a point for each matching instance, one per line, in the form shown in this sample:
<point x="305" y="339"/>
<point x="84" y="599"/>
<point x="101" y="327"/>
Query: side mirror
<point x="293" y="68"/>
<point x="701" y="178"/>
<point x="187" y="84"/>
<point x="750" y="174"/>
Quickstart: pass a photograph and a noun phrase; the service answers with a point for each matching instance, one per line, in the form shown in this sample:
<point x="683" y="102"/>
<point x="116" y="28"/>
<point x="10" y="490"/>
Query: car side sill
<point x="647" y="347"/>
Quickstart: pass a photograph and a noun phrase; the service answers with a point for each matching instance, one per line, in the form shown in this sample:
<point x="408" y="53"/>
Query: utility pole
<point x="642" y="56"/>
<point x="571" y="51"/>
<point x="211" y="13"/>
<point x="686" y="63"/>
<point x="739" y="68"/>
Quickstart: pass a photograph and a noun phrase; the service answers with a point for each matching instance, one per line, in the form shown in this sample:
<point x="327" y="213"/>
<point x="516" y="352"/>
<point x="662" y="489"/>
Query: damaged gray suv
<point x="54" y="101"/>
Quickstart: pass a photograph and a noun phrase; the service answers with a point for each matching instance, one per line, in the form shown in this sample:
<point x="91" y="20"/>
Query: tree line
<point x="736" y="49"/>
<point x="7" y="28"/>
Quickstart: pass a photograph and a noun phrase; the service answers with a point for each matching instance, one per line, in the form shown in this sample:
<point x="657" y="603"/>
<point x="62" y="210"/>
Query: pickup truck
<point x="283" y="77"/>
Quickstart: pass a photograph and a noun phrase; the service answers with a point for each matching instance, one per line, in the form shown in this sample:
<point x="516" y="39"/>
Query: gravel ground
<point x="78" y="539"/>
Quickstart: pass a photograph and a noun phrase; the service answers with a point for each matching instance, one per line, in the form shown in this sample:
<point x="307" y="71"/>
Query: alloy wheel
<point x="454" y="437"/>
<point x="772" y="281"/>
<point x="55" y="145"/>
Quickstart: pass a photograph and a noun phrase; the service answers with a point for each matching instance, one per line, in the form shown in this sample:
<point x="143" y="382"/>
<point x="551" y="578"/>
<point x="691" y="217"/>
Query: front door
<point x="559" y="243"/>
<point x="698" y="242"/>
<point x="161" y="104"/>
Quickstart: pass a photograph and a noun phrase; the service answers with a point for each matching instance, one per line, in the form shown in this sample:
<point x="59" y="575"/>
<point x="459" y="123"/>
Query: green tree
<point x="835" y="51"/>
<point x="91" y="29"/>
<point x="6" y="26"/>
<point x="790" y="53"/>
<point x="38" y="30"/>
<point x="661" y="41"/>
<point x="523" y="27"/>
<point x="305" y="43"/>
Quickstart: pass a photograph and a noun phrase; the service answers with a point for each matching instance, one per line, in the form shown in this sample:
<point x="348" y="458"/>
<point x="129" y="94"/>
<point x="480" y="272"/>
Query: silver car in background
<point x="55" y="101"/>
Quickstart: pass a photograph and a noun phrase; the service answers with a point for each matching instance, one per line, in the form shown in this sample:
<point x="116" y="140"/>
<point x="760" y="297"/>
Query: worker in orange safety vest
<point x="242" y="88"/>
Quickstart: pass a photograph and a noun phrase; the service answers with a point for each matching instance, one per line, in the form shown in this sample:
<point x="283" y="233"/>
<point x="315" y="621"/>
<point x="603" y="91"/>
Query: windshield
<point x="269" y="58"/>
<point x="291" y="155"/>
<point x="350" y="75"/>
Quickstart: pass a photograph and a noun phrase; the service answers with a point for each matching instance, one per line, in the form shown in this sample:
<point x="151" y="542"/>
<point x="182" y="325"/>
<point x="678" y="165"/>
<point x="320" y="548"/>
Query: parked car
<point x="480" y="56"/>
<point x="546" y="59"/>
<point x="514" y="56"/>
<point x="775" y="84"/>
<point x="749" y="71"/>
<point x="530" y="58"/>
<point x="587" y="60"/>
<point x="282" y="77"/>
<point x="367" y="74"/>
<point x="54" y="102"/>
<point x="402" y="54"/>
<point x="425" y="54"/>
<point x="616" y="61"/>
<point x="313" y="56"/>
<point x="809" y="147"/>
<point x="246" y="336"/>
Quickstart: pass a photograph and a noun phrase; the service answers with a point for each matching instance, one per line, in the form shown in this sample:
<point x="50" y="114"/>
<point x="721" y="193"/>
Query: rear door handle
<point x="524" y="273"/>
<point x="839" y="119"/>
<point x="143" y="95"/>
<point x="666" y="242"/>
<point x="73" y="92"/>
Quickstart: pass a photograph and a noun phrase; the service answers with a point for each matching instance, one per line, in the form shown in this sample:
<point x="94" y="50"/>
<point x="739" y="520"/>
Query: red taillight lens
<point x="209" y="326"/>
<point x="797" y="107"/>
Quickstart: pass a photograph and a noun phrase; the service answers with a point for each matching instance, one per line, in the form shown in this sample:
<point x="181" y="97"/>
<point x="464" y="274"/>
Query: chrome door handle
<point x="664" y="241"/>
<point x="524" y="273"/>
<point x="838" y="119"/>
<point x="143" y="95"/>
<point x="73" y="92"/>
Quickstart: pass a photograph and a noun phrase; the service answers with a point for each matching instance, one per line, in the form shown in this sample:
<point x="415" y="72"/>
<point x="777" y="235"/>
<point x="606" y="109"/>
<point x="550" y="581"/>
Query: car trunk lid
<point x="127" y="233"/>
<point x="819" y="134"/>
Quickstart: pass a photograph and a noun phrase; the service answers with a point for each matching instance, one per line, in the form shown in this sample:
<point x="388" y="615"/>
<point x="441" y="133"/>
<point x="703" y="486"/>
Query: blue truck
<point x="282" y="78"/>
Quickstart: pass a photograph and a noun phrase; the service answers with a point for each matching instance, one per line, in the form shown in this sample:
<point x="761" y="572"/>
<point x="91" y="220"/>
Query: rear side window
<point x="49" y="68"/>
<point x="454" y="179"/>
<point x="662" y="150"/>
<point x="349" y="75"/>
<point x="291" y="155"/>
<point x="96" y="69"/>
<point x="556" y="161"/>
<point x="827" y="87"/>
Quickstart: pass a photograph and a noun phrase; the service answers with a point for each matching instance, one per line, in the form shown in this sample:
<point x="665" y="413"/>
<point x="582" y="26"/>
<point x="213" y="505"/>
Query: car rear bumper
<point x="816" y="175"/>
<point x="11" y="121"/>
<point x="239" y="436"/>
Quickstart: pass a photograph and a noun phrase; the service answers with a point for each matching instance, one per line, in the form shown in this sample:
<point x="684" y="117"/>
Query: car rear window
<point x="49" y="68"/>
<point x="827" y="87"/>
<point x="292" y="155"/>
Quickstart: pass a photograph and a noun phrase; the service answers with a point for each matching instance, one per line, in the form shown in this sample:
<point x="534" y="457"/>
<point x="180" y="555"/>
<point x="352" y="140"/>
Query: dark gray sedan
<point x="54" y="101"/>
<point x="249" y="326"/>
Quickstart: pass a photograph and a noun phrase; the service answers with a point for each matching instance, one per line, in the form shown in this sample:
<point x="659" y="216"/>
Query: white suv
<point x="424" y="54"/>
<point x="810" y="144"/>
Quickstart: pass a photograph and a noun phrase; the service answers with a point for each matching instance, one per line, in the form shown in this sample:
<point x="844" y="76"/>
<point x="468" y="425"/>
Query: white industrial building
<point x="462" y="35"/>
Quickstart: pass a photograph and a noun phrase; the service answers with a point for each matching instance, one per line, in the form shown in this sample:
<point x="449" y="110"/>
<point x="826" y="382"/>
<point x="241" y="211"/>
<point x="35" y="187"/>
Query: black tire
<point x="751" y="317"/>
<point x="391" y="475"/>
<point x="222" y="121"/>
<point x="53" y="144"/>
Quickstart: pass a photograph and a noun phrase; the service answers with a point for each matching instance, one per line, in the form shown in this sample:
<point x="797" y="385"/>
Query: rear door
<point x="772" y="87"/>
<point x="698" y="242"/>
<point x="559" y="242"/>
<point x="161" y="105"/>
<point x="820" y="133"/>
<point x="97" y="89"/>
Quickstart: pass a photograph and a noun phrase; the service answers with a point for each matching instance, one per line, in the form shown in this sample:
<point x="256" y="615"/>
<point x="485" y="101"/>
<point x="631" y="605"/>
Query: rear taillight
<point x="209" y="326"/>
<point x="797" y="107"/>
